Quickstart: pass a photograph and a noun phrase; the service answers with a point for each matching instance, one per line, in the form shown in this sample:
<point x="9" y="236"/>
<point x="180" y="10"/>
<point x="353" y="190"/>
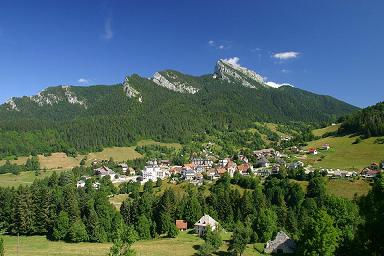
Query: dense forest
<point x="321" y="224"/>
<point x="367" y="122"/>
<point x="104" y="116"/>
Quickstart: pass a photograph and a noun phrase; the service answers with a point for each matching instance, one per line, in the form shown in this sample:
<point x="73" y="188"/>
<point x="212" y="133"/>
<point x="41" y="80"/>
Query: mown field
<point x="184" y="244"/>
<point x="344" y="154"/>
<point x="322" y="131"/>
<point x="24" y="178"/>
<point x="343" y="188"/>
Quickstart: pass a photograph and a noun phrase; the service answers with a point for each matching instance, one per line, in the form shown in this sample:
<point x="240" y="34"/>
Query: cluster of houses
<point x="268" y="162"/>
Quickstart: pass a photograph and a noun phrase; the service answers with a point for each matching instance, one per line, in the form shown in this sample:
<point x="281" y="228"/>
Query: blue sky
<point x="329" y="47"/>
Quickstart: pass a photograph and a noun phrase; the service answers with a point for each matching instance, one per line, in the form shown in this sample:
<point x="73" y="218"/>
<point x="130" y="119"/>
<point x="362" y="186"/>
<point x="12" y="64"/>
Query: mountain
<point x="368" y="122"/>
<point x="170" y="106"/>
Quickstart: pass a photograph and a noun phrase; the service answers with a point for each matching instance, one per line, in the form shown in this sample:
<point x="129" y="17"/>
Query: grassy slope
<point x="184" y="244"/>
<point x="322" y="131"/>
<point x="343" y="188"/>
<point x="24" y="178"/>
<point x="346" y="155"/>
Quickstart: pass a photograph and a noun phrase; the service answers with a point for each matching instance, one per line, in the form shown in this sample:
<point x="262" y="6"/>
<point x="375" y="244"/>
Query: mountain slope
<point x="169" y="106"/>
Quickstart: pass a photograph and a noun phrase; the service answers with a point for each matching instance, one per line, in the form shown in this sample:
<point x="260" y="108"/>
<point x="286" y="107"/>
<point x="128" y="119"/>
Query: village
<point x="208" y="168"/>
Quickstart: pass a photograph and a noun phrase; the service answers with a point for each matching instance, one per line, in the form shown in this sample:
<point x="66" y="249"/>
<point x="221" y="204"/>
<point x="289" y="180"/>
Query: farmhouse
<point x="312" y="151"/>
<point x="281" y="244"/>
<point x="326" y="146"/>
<point x="267" y="152"/>
<point x="262" y="162"/>
<point x="104" y="171"/>
<point x="204" y="223"/>
<point x="124" y="167"/>
<point x="181" y="225"/>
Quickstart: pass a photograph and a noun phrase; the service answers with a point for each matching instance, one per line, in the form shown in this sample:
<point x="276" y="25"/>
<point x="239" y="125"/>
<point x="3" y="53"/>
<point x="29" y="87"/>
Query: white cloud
<point x="108" y="32"/>
<point x="277" y="85"/>
<point x="83" y="81"/>
<point x="285" y="71"/>
<point x="220" y="45"/>
<point x="234" y="61"/>
<point x="286" y="55"/>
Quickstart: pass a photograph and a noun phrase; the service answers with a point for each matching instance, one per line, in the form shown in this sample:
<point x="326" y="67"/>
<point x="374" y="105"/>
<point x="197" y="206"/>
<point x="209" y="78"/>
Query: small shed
<point x="181" y="225"/>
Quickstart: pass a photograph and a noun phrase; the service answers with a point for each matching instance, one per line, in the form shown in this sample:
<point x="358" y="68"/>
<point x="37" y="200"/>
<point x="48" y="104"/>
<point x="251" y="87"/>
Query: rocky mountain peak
<point x="171" y="81"/>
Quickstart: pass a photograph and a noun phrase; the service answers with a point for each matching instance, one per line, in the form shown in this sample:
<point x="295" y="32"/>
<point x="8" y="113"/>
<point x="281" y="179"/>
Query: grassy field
<point x="24" y="178"/>
<point x="346" y="155"/>
<point x="348" y="189"/>
<point x="117" y="153"/>
<point x="322" y="131"/>
<point x="343" y="188"/>
<point x="184" y="244"/>
<point x="117" y="200"/>
<point x="152" y="142"/>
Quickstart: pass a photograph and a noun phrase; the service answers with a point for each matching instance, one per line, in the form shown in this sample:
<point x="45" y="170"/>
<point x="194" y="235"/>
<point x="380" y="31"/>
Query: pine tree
<point x="78" y="232"/>
<point x="61" y="227"/>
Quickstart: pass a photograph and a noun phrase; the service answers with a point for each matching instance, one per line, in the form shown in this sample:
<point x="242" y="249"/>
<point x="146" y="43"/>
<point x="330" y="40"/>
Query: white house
<point x="205" y="222"/>
<point x="154" y="171"/>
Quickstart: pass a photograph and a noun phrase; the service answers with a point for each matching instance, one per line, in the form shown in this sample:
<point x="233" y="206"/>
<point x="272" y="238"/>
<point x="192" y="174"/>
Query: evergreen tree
<point x="61" y="227"/>
<point x="78" y="232"/>
<point x="172" y="231"/>
<point x="143" y="228"/>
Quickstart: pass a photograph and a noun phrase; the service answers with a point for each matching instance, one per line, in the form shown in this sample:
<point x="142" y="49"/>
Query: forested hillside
<point x="171" y="107"/>
<point x="368" y="122"/>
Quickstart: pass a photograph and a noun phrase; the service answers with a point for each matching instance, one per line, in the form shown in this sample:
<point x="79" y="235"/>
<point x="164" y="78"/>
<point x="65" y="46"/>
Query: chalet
<point x="295" y="150"/>
<point x="224" y="162"/>
<point x="262" y="162"/>
<point x="326" y="147"/>
<point x="176" y="170"/>
<point x="295" y="165"/>
<point x="275" y="169"/>
<point x="220" y="171"/>
<point x="165" y="162"/>
<point x="199" y="176"/>
<point x="188" y="174"/>
<point x="282" y="244"/>
<point x="96" y="185"/>
<point x="267" y="152"/>
<point x="80" y="184"/>
<point x="204" y="223"/>
<point x="231" y="167"/>
<point x="181" y="225"/>
<point x="369" y="173"/>
<point x="202" y="161"/>
<point x="263" y="172"/>
<point x="123" y="166"/>
<point x="243" y="158"/>
<point x="243" y="168"/>
<point x="105" y="171"/>
<point x="312" y="151"/>
<point x="131" y="171"/>
<point x="211" y="173"/>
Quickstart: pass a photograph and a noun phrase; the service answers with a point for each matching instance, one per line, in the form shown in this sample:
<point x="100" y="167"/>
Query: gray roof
<point x="281" y="242"/>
